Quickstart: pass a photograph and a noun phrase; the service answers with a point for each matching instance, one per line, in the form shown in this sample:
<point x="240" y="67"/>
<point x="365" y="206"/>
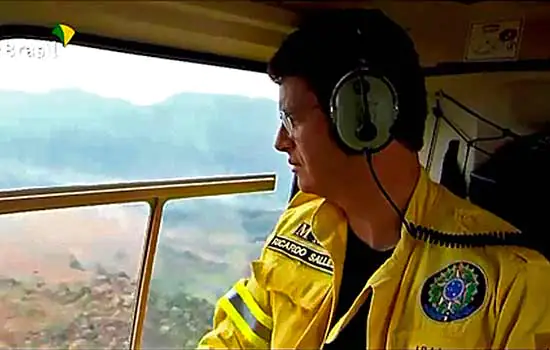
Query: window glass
<point x="77" y="115"/>
<point x="68" y="277"/>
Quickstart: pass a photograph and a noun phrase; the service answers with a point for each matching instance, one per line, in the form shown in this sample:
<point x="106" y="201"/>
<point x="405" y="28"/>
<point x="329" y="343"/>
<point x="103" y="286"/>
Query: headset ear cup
<point x="363" y="121"/>
<point x="347" y="115"/>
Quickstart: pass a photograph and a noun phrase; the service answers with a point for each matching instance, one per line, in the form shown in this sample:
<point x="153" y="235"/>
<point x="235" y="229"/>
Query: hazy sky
<point x="138" y="79"/>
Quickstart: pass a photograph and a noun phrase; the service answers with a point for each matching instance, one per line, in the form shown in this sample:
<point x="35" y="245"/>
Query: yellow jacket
<point x="288" y="299"/>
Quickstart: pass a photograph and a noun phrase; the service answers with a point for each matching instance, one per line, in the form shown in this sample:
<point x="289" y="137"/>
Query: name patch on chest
<point x="308" y="256"/>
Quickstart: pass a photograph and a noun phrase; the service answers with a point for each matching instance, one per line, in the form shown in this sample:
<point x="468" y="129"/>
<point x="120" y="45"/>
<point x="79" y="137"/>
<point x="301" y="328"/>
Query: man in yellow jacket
<point x="371" y="253"/>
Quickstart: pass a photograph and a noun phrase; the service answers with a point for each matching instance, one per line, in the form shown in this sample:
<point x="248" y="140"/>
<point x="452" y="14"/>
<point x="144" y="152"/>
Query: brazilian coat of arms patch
<point x="454" y="292"/>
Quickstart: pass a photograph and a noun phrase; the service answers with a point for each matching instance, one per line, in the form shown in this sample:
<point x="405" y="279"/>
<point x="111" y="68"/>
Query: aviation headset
<point x="363" y="109"/>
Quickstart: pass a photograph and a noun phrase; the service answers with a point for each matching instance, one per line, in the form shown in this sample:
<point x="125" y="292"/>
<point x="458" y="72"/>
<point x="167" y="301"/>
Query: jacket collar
<point x="330" y="224"/>
<point x="432" y="210"/>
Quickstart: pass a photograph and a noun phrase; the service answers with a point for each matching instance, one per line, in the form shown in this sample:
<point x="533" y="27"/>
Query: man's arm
<point x="242" y="319"/>
<point x="524" y="321"/>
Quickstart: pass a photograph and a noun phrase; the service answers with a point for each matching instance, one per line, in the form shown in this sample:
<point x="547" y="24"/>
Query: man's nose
<point x="283" y="142"/>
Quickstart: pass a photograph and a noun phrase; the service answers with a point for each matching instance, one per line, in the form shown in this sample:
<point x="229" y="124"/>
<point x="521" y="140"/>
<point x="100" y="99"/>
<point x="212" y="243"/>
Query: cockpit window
<point x="77" y="115"/>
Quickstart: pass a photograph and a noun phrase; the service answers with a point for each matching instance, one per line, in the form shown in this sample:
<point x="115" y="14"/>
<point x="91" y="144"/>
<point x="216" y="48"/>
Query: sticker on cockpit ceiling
<point x="494" y="41"/>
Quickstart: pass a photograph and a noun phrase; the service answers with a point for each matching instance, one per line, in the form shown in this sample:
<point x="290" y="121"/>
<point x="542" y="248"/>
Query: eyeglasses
<point x="287" y="120"/>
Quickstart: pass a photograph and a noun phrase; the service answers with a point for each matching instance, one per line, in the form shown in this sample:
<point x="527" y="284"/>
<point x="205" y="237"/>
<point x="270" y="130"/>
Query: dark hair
<point x="326" y="46"/>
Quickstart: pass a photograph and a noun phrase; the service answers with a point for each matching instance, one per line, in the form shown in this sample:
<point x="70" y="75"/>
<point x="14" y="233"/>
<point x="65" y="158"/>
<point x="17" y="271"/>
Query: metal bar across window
<point x="16" y="201"/>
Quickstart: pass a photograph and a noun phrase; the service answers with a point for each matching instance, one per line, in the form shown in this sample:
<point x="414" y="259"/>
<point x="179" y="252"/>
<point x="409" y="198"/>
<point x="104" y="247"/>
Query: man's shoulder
<point x="479" y="220"/>
<point x="455" y="224"/>
<point x="448" y="213"/>
<point x="481" y="228"/>
<point x="459" y="226"/>
<point x="297" y="217"/>
<point x="293" y="239"/>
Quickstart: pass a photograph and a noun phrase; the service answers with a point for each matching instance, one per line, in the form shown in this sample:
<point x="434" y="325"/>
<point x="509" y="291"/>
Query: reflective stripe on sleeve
<point x="248" y="317"/>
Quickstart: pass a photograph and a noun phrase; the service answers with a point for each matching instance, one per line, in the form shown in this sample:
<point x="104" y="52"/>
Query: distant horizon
<point x="76" y="89"/>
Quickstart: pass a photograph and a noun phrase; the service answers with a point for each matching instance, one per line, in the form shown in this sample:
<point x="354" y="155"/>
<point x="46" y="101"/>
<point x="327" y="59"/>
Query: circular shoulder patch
<point x="454" y="292"/>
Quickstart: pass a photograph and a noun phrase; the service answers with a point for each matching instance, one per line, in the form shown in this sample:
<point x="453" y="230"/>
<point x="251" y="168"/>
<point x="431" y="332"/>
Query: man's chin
<point x="306" y="186"/>
<point x="310" y="187"/>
